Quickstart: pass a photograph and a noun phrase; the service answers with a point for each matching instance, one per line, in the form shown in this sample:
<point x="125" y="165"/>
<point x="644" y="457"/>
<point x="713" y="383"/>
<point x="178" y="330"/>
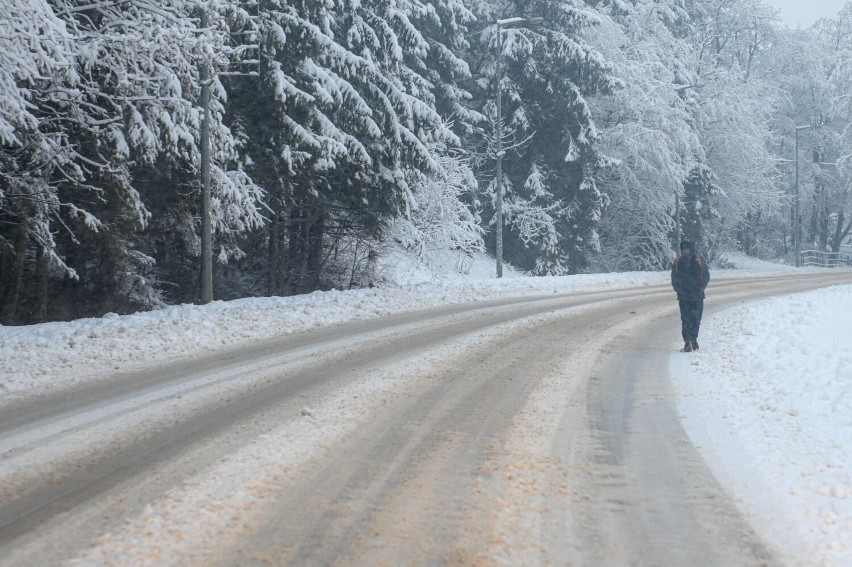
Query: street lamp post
<point x="498" y="213"/>
<point x="797" y="237"/>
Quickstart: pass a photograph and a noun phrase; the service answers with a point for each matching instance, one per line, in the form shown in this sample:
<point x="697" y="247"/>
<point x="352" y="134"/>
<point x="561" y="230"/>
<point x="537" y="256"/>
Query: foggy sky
<point x="805" y="13"/>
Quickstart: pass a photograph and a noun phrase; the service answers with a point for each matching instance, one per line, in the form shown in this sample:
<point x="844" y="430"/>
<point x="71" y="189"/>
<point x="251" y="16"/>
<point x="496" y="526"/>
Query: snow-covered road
<point x="515" y="431"/>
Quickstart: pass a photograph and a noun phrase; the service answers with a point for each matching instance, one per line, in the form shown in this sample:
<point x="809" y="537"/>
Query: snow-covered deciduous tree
<point x="646" y="128"/>
<point x="804" y="66"/>
<point x="827" y="191"/>
<point x="441" y="214"/>
<point x="734" y="108"/>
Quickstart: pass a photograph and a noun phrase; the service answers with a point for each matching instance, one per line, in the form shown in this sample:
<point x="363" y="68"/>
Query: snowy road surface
<point x="525" y="431"/>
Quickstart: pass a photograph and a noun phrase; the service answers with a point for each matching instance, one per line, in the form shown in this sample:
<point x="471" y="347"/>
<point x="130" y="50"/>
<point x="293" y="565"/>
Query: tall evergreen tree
<point x="347" y="111"/>
<point x="552" y="204"/>
<point x="121" y="107"/>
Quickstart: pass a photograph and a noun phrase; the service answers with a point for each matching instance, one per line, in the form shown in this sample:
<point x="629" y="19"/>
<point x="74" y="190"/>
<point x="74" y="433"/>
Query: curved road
<point x="526" y="431"/>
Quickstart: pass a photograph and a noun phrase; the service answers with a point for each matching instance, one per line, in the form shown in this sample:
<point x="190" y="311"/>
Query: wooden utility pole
<point x="206" y="224"/>
<point x="206" y="76"/>
<point x="498" y="213"/>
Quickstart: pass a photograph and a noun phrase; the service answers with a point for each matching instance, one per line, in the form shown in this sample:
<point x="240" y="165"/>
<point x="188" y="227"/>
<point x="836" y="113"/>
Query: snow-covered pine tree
<point x="553" y="204"/>
<point x="116" y="107"/>
<point x="445" y="26"/>
<point x="36" y="74"/>
<point x="347" y="112"/>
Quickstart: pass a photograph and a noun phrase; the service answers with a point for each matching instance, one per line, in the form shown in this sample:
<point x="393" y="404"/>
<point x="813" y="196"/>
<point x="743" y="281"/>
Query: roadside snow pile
<point x="52" y="354"/>
<point x="769" y="401"/>
<point x="404" y="268"/>
<point x="742" y="262"/>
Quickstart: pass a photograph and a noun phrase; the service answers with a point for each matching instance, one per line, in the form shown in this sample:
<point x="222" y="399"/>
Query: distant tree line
<point x="340" y="129"/>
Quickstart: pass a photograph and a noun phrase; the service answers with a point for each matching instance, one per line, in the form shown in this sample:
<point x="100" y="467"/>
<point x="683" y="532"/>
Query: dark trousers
<point x="690" y="318"/>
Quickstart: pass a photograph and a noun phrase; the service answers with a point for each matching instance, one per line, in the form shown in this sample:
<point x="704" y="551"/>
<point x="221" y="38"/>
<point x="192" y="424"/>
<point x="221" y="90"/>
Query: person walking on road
<point x="690" y="277"/>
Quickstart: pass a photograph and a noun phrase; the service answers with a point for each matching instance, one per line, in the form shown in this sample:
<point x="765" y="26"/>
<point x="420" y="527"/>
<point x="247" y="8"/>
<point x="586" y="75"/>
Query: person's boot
<point x="694" y="345"/>
<point x="687" y="347"/>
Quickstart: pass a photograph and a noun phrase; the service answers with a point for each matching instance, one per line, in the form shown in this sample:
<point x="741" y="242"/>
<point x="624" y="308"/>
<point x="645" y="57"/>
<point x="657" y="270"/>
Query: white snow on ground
<point x="55" y="354"/>
<point x="50" y="355"/>
<point x="767" y="398"/>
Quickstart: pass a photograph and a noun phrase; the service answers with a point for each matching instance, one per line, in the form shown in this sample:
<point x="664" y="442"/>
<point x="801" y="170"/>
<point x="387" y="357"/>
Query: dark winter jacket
<point x="690" y="276"/>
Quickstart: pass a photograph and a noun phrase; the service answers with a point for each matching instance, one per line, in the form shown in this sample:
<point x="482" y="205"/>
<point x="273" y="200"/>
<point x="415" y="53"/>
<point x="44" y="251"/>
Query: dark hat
<point x="687" y="244"/>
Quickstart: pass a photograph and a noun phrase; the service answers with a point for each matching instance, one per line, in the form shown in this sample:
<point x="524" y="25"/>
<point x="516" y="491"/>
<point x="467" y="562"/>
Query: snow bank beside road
<point x="768" y="400"/>
<point x="54" y="354"/>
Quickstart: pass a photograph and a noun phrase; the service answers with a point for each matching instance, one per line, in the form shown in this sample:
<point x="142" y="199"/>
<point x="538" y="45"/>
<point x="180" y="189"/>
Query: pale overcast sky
<point x="805" y="12"/>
